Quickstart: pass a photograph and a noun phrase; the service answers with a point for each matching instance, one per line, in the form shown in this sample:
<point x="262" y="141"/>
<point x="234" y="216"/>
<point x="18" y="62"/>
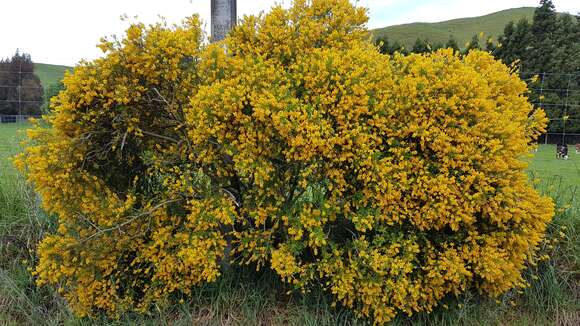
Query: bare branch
<point x="231" y="196"/>
<point x="149" y="133"/>
<point x="127" y="222"/>
<point x="160" y="96"/>
<point x="123" y="142"/>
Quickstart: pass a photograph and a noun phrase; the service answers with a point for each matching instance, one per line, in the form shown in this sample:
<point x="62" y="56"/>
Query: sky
<point x="66" y="31"/>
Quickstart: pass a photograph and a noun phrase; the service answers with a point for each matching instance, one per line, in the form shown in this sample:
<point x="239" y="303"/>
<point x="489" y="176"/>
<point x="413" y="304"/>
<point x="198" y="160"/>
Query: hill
<point x="462" y="29"/>
<point x="49" y="74"/>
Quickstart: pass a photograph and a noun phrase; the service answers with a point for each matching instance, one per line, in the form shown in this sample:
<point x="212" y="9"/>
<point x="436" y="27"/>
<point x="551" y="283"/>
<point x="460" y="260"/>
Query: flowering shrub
<point x="113" y="167"/>
<point x="393" y="182"/>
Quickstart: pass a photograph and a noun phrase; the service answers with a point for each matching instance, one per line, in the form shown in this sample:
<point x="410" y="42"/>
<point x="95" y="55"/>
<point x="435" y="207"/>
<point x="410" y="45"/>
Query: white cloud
<point x="65" y="31"/>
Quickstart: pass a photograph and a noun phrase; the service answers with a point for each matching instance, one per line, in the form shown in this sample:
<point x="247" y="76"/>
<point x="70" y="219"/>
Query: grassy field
<point x="561" y="174"/>
<point x="8" y="146"/>
<point x="462" y="29"/>
<point x="242" y="297"/>
<point x="49" y="74"/>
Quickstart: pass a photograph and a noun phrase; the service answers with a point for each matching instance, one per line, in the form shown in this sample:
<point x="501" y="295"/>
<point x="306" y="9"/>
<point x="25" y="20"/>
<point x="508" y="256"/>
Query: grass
<point x="243" y="297"/>
<point x="545" y="166"/>
<point x="9" y="144"/>
<point x="461" y="29"/>
<point x="49" y="74"/>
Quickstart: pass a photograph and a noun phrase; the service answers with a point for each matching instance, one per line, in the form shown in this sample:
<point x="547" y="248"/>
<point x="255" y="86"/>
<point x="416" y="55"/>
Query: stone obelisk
<point x="223" y="18"/>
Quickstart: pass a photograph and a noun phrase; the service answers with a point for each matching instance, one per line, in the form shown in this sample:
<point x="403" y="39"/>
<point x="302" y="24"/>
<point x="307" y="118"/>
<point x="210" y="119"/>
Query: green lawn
<point x="557" y="173"/>
<point x="10" y="136"/>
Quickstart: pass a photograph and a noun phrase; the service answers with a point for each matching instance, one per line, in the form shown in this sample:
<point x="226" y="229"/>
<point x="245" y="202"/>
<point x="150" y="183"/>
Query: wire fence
<point x="21" y="95"/>
<point x="558" y="94"/>
<point x="22" y="101"/>
<point x="16" y="118"/>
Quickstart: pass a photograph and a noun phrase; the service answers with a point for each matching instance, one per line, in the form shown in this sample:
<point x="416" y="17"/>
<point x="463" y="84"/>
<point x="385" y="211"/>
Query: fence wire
<point x="562" y="105"/>
<point x="558" y="94"/>
<point x="23" y="99"/>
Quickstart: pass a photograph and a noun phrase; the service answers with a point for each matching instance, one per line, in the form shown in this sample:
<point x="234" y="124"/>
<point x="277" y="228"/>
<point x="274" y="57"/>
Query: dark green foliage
<point x="421" y="46"/>
<point x="549" y="47"/>
<point x="473" y="44"/>
<point x="50" y="92"/>
<point x="544" y="19"/>
<point x="386" y="47"/>
<point x="490" y="46"/>
<point x="514" y="42"/>
<point x="452" y="43"/>
<point x="20" y="88"/>
<point x="437" y="46"/>
<point x="544" y="31"/>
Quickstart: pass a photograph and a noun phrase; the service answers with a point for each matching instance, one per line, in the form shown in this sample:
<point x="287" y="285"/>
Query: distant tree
<point x="473" y="44"/>
<point x="514" y="44"/>
<point x="382" y="42"/>
<point x="436" y="46"/>
<point x="398" y="47"/>
<point x="506" y="44"/>
<point x="566" y="44"/>
<point x="543" y="30"/>
<point x="50" y="92"/>
<point x="565" y="57"/>
<point x="452" y="43"/>
<point x="490" y="45"/>
<point x="20" y="89"/>
<point x="386" y="47"/>
<point x="549" y="44"/>
<point x="545" y="18"/>
<point x="421" y="46"/>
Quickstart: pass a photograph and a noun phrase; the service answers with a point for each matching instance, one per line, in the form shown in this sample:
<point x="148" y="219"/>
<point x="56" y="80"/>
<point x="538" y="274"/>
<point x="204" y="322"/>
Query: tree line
<point x="546" y="51"/>
<point x="20" y="89"/>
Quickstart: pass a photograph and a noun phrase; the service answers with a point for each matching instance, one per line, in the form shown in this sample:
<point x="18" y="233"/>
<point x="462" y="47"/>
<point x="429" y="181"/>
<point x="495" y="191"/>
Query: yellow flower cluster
<point x="392" y="181"/>
<point x="137" y="222"/>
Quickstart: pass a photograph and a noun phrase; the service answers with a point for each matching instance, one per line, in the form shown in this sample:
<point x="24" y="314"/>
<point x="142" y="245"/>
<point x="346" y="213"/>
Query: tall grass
<point x="22" y="225"/>
<point x="555" y="283"/>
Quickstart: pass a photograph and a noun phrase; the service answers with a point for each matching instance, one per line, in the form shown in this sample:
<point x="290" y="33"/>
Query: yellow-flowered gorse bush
<point x="393" y="182"/>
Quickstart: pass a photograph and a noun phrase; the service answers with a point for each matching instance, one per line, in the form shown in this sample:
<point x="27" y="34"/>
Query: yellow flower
<point x="391" y="182"/>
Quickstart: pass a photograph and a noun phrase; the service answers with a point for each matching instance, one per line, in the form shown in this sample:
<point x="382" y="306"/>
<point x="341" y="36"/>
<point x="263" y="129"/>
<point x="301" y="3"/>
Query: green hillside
<point x="49" y="74"/>
<point x="462" y="29"/>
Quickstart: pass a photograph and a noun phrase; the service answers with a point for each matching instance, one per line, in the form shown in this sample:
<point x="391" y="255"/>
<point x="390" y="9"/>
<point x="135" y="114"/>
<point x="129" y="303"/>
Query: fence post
<point x="19" y="88"/>
<point x="565" y="115"/>
<point x="541" y="98"/>
<point x="223" y="18"/>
